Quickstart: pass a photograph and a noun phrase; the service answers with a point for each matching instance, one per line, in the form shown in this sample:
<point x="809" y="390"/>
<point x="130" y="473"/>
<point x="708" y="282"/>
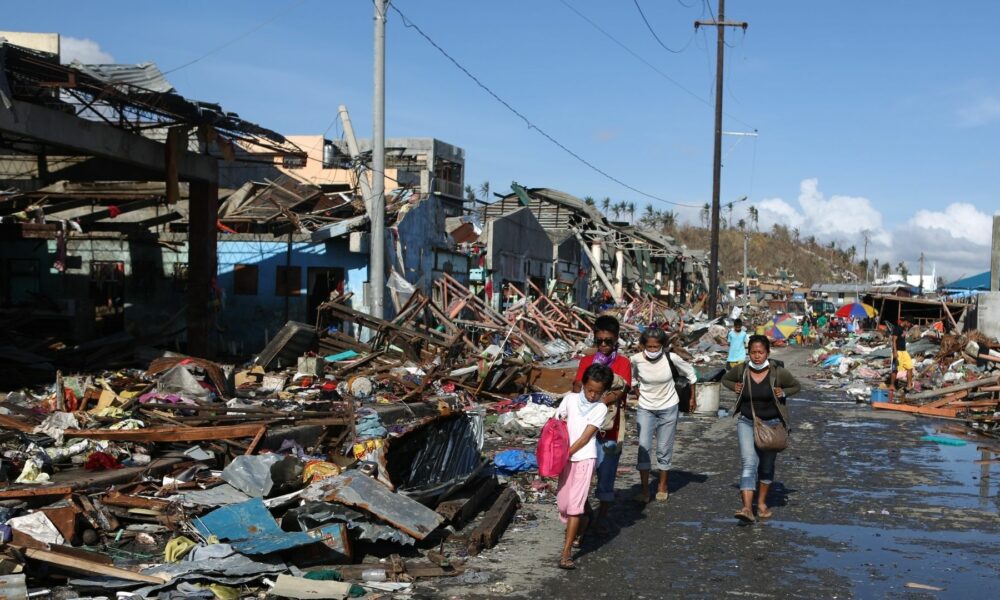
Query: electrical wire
<point x="656" y="37"/>
<point x="656" y="70"/>
<point x="242" y="36"/>
<point x="411" y="25"/>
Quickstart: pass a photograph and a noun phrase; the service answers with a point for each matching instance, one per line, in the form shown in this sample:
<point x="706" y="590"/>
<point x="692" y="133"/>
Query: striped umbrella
<point x="855" y="309"/>
<point x="782" y="327"/>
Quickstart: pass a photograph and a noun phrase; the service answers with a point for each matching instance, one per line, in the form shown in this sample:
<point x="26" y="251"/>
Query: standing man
<point x="737" y="339"/>
<point x="612" y="433"/>
<point x="901" y="359"/>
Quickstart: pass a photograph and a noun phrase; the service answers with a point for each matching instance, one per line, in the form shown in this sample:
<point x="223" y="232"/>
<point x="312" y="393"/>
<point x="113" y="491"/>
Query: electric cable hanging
<point x="243" y="35"/>
<point x="411" y="25"/>
<point x="652" y="67"/>
<point x="656" y="37"/>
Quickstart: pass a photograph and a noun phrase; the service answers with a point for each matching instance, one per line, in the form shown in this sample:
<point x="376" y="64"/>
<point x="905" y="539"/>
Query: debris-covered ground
<point x="864" y="508"/>
<point x="400" y="462"/>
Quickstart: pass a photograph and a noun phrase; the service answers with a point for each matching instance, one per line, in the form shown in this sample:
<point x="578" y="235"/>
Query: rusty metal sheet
<point x="355" y="489"/>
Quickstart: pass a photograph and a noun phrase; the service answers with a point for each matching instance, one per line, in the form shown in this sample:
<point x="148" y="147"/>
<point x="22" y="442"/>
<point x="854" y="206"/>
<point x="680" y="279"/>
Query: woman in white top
<point x="658" y="406"/>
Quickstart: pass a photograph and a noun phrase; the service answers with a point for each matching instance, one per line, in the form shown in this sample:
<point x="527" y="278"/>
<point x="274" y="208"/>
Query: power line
<point x="656" y="70"/>
<point x="656" y="37"/>
<point x="242" y="36"/>
<point x="411" y="25"/>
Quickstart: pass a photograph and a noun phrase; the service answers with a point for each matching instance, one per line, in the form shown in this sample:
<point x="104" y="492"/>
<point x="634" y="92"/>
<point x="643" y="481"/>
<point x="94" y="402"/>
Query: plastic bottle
<point x="373" y="575"/>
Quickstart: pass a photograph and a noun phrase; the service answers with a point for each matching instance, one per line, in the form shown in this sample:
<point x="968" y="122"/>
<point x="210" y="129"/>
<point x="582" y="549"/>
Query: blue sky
<point x="878" y="115"/>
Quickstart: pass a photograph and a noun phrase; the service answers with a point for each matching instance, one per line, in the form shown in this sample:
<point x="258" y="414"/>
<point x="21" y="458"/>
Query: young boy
<point x="737" y="339"/>
<point x="584" y="413"/>
<point x="612" y="432"/>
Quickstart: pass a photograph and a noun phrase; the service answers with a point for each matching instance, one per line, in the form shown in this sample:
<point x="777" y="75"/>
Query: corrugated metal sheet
<point x="143" y="75"/>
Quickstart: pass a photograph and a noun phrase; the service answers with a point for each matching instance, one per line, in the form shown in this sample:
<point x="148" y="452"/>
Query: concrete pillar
<point x="619" y="272"/>
<point x="995" y="260"/>
<point x="203" y="214"/>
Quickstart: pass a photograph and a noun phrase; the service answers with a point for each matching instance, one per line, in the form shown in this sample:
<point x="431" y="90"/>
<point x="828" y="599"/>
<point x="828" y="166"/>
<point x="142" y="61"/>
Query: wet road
<point x="863" y="509"/>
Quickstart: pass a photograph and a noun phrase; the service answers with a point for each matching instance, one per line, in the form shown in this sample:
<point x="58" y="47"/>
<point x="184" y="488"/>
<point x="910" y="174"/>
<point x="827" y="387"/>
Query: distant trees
<point x="484" y="191"/>
<point x="901" y="267"/>
<point x="589" y="201"/>
<point x="630" y="209"/>
<point x="606" y="205"/>
<point x="754" y="216"/>
<point x="884" y="270"/>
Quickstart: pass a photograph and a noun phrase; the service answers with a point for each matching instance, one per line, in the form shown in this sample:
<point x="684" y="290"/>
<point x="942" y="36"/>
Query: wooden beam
<point x="90" y="567"/>
<point x="494" y="523"/>
<point x="920" y="410"/>
<point x="967" y="385"/>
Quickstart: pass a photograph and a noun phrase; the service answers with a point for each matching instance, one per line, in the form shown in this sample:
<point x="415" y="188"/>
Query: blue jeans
<point x="758" y="465"/>
<point x="608" y="454"/>
<point x="664" y="424"/>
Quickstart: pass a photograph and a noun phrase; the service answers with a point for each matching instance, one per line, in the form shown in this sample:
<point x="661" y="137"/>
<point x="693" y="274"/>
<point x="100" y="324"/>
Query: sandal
<point x="746" y="515"/>
<point x="662" y="496"/>
<point x="567" y="564"/>
<point x="764" y="513"/>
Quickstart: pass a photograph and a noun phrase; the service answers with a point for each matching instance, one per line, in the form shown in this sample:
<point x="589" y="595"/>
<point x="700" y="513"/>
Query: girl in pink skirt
<point x="584" y="413"/>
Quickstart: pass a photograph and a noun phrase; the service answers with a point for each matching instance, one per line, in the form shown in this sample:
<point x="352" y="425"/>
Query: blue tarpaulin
<point x="509" y="462"/>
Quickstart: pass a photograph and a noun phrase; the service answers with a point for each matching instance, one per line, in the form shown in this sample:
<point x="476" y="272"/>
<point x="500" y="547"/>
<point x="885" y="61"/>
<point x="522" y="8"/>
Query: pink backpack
<point x="553" y="448"/>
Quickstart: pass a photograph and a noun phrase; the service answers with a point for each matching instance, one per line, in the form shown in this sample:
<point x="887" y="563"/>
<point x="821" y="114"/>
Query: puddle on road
<point x="879" y="561"/>
<point x="965" y="484"/>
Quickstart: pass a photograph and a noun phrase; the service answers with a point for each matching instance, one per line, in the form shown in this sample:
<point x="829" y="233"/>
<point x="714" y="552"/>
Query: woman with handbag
<point x="761" y="413"/>
<point x="658" y="406"/>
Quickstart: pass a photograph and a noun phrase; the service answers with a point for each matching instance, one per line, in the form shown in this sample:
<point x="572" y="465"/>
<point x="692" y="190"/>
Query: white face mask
<point x="653" y="355"/>
<point x="758" y="367"/>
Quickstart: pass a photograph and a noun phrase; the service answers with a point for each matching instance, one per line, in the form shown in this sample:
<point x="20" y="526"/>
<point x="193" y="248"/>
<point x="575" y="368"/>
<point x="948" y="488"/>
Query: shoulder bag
<point x="682" y="385"/>
<point x="770" y="438"/>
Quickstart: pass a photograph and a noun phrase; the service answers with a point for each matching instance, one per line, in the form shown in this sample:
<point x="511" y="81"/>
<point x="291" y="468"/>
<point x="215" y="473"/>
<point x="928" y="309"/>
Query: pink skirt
<point x="574" y="487"/>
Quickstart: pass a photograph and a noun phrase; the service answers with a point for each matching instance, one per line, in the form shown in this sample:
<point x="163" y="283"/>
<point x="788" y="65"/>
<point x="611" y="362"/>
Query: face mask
<point x="758" y="367"/>
<point x="653" y="355"/>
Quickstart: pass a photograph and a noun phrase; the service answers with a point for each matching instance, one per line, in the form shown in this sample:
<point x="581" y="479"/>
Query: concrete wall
<point x="426" y="248"/>
<point x="989" y="314"/>
<point x="248" y="320"/>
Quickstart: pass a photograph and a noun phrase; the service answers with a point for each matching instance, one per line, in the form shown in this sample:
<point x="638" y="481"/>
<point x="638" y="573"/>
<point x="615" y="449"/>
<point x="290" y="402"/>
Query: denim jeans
<point x="608" y="454"/>
<point x="664" y="424"/>
<point x="758" y="465"/>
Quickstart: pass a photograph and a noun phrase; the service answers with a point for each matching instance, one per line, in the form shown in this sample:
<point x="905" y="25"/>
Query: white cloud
<point x="955" y="240"/>
<point x="85" y="50"/>
<point x="960" y="219"/>
<point x="984" y="111"/>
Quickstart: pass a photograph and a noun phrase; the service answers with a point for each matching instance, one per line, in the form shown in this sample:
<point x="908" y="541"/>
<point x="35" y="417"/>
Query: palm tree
<point x="589" y="201"/>
<point x="901" y="267"/>
<point x="742" y="224"/>
<point x="884" y="270"/>
<point x="754" y="215"/>
<point x="729" y="219"/>
<point x="851" y="253"/>
<point x="606" y="205"/>
<point x="795" y="234"/>
<point x="617" y="209"/>
<point x="649" y="216"/>
<point x="668" y="220"/>
<point x="484" y="191"/>
<point x="706" y="213"/>
<point x="630" y="209"/>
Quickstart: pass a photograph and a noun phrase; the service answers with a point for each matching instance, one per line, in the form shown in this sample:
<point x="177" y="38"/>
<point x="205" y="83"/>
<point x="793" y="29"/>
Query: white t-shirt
<point x="656" y="383"/>
<point x="577" y="421"/>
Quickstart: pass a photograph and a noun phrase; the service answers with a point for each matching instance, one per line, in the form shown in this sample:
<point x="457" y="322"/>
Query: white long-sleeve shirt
<point x="656" y="383"/>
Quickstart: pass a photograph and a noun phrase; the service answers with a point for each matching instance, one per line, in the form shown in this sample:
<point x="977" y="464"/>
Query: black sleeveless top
<point x="762" y="397"/>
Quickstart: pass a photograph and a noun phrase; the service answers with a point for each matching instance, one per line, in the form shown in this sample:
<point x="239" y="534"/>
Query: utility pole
<point x="746" y="280"/>
<point x="713" y="274"/>
<point x="867" y="234"/>
<point x="921" y="274"/>
<point x="376" y="205"/>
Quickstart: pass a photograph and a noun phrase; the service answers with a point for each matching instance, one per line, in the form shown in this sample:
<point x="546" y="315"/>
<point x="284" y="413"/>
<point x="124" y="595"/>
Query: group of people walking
<point x="595" y="418"/>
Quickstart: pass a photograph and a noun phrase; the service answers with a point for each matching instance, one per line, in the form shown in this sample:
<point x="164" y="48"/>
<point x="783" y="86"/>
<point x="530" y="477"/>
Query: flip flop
<point x="567" y="564"/>
<point x="745" y="515"/>
<point x="662" y="496"/>
<point x="764" y="514"/>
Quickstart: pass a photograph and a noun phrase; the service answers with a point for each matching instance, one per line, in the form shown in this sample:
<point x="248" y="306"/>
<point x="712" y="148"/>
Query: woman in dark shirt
<point x="767" y="387"/>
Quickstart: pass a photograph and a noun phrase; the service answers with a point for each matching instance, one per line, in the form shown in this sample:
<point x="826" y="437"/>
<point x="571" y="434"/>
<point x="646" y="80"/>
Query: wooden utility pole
<point x="921" y="273"/>
<point x="713" y="273"/>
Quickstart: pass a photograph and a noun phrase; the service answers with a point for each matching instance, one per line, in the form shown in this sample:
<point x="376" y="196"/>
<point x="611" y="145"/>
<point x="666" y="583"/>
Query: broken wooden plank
<point x="967" y="385"/>
<point x="488" y="532"/>
<point x="461" y="509"/>
<point x="90" y="567"/>
<point x="34" y="492"/>
<point x="910" y="408"/>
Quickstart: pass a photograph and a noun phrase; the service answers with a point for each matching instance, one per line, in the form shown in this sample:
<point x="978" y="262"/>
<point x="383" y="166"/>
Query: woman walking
<point x="658" y="406"/>
<point x="762" y="390"/>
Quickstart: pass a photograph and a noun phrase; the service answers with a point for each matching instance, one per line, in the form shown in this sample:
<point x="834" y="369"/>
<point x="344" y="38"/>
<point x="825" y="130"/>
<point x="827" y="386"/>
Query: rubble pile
<point x="955" y="375"/>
